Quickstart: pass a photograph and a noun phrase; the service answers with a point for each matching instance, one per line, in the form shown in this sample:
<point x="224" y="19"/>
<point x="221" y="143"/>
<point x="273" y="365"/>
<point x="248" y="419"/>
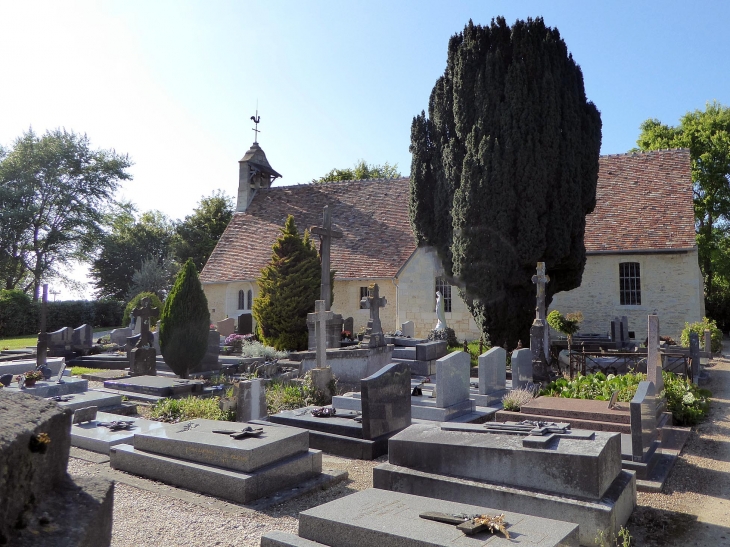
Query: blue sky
<point x="173" y="84"/>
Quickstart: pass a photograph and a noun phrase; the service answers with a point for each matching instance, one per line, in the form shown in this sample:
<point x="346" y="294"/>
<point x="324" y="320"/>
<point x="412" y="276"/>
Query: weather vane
<point x="256" y="119"/>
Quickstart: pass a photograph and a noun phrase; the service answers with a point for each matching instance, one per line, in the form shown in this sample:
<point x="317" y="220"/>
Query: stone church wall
<point x="671" y="286"/>
<point x="347" y="302"/>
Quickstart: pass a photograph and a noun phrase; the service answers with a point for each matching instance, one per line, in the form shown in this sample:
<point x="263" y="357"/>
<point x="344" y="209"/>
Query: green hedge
<point x="18" y="315"/>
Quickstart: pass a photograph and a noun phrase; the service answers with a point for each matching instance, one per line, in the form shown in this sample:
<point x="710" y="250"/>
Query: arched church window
<point x="250" y="299"/>
<point x="241" y="300"/>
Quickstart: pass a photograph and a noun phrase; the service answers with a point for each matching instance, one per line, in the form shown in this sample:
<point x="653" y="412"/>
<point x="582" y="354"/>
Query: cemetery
<point x="288" y="369"/>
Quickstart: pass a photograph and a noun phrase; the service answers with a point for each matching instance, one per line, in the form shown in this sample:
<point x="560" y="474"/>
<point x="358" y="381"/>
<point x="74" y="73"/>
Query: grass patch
<point x="78" y="371"/>
<point x="19" y="342"/>
<point x="190" y="408"/>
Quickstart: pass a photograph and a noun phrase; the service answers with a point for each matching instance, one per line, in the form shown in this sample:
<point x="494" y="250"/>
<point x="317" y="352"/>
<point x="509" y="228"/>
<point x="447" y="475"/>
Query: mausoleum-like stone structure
<point x="34" y="450"/>
<point x="574" y="476"/>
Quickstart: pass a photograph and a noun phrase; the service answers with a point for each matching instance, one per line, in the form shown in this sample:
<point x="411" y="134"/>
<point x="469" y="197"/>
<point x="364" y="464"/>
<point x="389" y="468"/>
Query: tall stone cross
<point x="326" y="234"/>
<point x="321" y="316"/>
<point x="145" y="312"/>
<point x="374" y="302"/>
<point x="540" y="280"/>
<point x="539" y="333"/>
<point x="42" y="347"/>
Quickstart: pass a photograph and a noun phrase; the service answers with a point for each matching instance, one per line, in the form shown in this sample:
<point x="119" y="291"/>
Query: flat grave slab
<point x="95" y="438"/>
<point x="24" y="365"/>
<point x="337" y="424"/>
<point x="50" y="388"/>
<point x="157" y="385"/>
<point x="581" y="409"/>
<point x="98" y="399"/>
<point x="391" y="519"/>
<point x="196" y="441"/>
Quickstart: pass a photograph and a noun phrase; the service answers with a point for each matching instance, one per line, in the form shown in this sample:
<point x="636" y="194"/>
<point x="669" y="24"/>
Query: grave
<point x="550" y="472"/>
<point x="59" y="342"/>
<point x="226" y="327"/>
<point x="119" y="336"/>
<point x="419" y="354"/>
<point x="392" y="519"/>
<point x="97" y="438"/>
<point x="51" y="388"/>
<point x="386" y="409"/>
<point x="245" y="324"/>
<point x="82" y="339"/>
<point x="142" y="358"/>
<point x="539" y="341"/>
<point x="34" y="447"/>
<point x="158" y="386"/>
<point x="408" y="329"/>
<point x="250" y="400"/>
<point x="20" y="366"/>
<point x="214" y="458"/>
<point x="492" y="378"/>
<point x="210" y="359"/>
<point x="522" y="374"/>
<point x="99" y="399"/>
<point x="452" y="390"/>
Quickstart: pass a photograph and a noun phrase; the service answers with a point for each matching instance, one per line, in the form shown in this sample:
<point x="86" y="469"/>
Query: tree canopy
<point x="362" y="171"/>
<point x="288" y="288"/>
<point x="54" y="193"/>
<point x="504" y="170"/>
<point x="707" y="136"/>
<point x="198" y="234"/>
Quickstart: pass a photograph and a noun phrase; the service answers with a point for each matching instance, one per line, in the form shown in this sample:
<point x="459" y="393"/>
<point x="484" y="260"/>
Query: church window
<point x="363" y="292"/>
<point x="445" y="289"/>
<point x="241" y="300"/>
<point x="629" y="276"/>
<point x="250" y="299"/>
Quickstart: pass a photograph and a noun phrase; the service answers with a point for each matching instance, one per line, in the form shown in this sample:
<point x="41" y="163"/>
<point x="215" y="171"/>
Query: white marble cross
<point x="321" y="315"/>
<point x="326" y="234"/>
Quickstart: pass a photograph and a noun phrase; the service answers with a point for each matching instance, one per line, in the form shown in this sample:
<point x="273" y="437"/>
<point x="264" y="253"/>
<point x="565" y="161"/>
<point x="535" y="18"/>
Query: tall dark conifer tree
<point x="504" y="170"/>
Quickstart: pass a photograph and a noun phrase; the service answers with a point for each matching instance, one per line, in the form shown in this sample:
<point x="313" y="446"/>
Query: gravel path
<point x="693" y="509"/>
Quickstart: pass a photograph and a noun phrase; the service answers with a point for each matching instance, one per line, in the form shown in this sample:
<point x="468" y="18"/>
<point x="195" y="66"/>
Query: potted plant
<point x="31" y="377"/>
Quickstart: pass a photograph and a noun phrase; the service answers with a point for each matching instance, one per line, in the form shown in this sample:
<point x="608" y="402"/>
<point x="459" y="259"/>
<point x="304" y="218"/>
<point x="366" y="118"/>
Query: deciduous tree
<point x="198" y="234"/>
<point x="362" y="171"/>
<point x="504" y="170"/>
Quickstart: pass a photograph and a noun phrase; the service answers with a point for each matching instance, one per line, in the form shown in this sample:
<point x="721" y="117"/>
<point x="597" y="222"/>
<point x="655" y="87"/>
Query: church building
<point x="640" y="242"/>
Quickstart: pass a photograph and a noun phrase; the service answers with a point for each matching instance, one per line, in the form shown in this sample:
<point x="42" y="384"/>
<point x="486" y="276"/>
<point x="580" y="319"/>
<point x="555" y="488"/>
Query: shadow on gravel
<point x="656" y="527"/>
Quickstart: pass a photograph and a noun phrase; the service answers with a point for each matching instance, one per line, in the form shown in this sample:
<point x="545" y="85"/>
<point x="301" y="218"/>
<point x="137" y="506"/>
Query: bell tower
<point x="254" y="171"/>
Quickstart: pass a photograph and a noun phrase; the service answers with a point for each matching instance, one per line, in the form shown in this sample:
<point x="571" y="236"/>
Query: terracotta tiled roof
<point x="373" y="215"/>
<point x="643" y="202"/>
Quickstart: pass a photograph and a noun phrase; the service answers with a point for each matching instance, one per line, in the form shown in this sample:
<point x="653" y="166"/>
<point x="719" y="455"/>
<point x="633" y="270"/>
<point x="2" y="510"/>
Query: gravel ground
<point x="693" y="509"/>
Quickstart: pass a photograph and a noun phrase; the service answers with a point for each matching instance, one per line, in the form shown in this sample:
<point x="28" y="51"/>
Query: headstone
<point x="143" y="358"/>
<point x="522" y="370"/>
<point x="226" y="326"/>
<point x="374" y="333"/>
<point x="119" y="336"/>
<point x="348" y="325"/>
<point x="616" y="332"/>
<point x="85" y="414"/>
<point x="245" y="323"/>
<point x="644" y="433"/>
<point x="59" y="342"/>
<point x="653" y="357"/>
<point x="386" y="401"/>
<point x="82" y="338"/>
<point x="42" y="347"/>
<point x="408" y="329"/>
<point x="492" y="370"/>
<point x="539" y="345"/>
<point x="143" y="316"/>
<point x="625" y="329"/>
<point x="452" y="379"/>
<point x="708" y="341"/>
<point x="326" y="234"/>
<point x="694" y="356"/>
<point x="250" y="400"/>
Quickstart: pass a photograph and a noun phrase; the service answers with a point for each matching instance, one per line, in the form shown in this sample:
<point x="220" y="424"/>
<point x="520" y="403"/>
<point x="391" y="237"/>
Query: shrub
<point x="284" y="396"/>
<point x="15" y="313"/>
<point x="155" y="302"/>
<point x="190" y="408"/>
<point x="700" y="327"/>
<point x="514" y="400"/>
<point x="252" y="348"/>
<point x="447" y="334"/>
<point x="185" y="322"/>
<point x="688" y="403"/>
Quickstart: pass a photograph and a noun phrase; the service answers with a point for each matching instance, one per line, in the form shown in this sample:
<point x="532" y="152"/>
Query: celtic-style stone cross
<point x="326" y="234"/>
<point x="144" y="313"/>
<point x="540" y="280"/>
<point x="374" y="302"/>
<point x="321" y="316"/>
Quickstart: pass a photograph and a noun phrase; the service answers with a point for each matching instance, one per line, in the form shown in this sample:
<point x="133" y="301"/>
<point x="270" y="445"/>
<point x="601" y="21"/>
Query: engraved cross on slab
<point x="326" y="234"/>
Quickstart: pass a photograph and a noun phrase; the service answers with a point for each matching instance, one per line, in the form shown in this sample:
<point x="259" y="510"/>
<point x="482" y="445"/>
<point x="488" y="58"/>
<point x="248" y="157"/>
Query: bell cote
<point x="254" y="172"/>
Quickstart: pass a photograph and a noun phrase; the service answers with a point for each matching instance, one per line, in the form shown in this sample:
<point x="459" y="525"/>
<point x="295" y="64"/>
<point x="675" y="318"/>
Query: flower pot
<point x="29" y="383"/>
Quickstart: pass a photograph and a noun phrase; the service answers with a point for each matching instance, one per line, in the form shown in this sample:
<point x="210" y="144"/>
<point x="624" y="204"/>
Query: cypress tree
<point x="504" y="170"/>
<point x="288" y="287"/>
<point x="185" y="322"/>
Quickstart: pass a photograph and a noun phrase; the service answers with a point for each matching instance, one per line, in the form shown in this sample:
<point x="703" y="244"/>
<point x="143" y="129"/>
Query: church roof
<point x="372" y="214"/>
<point x="643" y="202"/>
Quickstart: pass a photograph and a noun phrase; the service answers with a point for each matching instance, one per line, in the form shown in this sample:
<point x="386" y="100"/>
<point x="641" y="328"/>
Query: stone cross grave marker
<point x="539" y="343"/>
<point x="144" y="313"/>
<point x="321" y="315"/>
<point x="653" y="357"/>
<point x="326" y="234"/>
<point x="373" y="302"/>
<point x="694" y="356"/>
<point x="42" y="347"/>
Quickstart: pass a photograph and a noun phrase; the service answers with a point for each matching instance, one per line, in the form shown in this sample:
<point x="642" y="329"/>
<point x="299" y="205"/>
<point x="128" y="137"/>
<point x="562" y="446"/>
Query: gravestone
<point x="59" y="342"/>
<point x="374" y="333"/>
<point x="708" y="343"/>
<point x="694" y="356"/>
<point x="245" y="323"/>
<point x="226" y="326"/>
<point x="492" y="377"/>
<point x="386" y="401"/>
<point x="143" y="358"/>
<point x="653" y="356"/>
<point x="119" y="336"/>
<point x="349" y="325"/>
<point x="408" y="329"/>
<point x="625" y="330"/>
<point x="393" y="519"/>
<point x="82" y="338"/>
<point x="522" y="369"/>
<point x="452" y="379"/>
<point x="644" y="433"/>
<point x="539" y="344"/>
<point x="250" y="400"/>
